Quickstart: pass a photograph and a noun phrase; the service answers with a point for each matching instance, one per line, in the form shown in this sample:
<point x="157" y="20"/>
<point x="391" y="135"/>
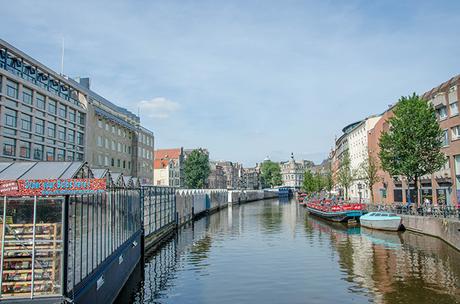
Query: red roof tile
<point x="168" y="153"/>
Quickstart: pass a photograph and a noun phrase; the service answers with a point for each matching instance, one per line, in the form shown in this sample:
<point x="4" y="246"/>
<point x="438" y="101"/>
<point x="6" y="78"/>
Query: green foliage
<point x="345" y="176"/>
<point x="319" y="182"/>
<point x="412" y="146"/>
<point x="270" y="173"/>
<point x="196" y="169"/>
<point x="309" y="183"/>
<point x="328" y="181"/>
<point x="369" y="172"/>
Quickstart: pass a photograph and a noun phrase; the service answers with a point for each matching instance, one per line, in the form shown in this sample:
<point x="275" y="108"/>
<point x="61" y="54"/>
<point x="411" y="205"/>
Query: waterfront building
<point x="233" y="172"/>
<point x="217" y="178"/>
<point x="442" y="186"/>
<point x="292" y="172"/>
<point x="46" y="116"/>
<point x="358" y="152"/>
<point x="340" y="149"/>
<point x="251" y="178"/>
<point x="43" y="114"/>
<point x="169" y="167"/>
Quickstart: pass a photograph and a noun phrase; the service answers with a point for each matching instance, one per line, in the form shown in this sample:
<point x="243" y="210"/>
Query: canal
<point x="273" y="252"/>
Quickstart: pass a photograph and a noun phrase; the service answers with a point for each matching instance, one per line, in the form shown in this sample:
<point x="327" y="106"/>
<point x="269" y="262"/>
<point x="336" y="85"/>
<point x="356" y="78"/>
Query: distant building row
<point x="45" y="116"/>
<point x="361" y="140"/>
<point x="169" y="171"/>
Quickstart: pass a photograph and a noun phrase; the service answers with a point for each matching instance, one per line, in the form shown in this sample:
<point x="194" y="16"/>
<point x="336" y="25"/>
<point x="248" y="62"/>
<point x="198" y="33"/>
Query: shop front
<point x="66" y="236"/>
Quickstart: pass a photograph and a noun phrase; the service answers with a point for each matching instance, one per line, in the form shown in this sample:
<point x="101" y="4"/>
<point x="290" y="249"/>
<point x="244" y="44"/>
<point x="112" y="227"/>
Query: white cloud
<point x="158" y="107"/>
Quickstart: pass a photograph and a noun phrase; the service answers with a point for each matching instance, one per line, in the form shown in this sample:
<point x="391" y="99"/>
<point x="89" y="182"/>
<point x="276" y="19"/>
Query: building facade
<point x="217" y="178"/>
<point x="47" y="116"/>
<point x="233" y="172"/>
<point x="442" y="187"/>
<point x="169" y="167"/>
<point x="43" y="115"/>
<point x="292" y="172"/>
<point x="251" y="178"/>
<point x="358" y="152"/>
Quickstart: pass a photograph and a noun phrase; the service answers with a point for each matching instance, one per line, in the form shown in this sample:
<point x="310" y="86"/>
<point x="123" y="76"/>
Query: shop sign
<point x="44" y="187"/>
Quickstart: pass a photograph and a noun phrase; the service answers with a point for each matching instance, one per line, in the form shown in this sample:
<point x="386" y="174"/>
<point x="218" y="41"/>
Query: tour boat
<point x="381" y="221"/>
<point x="335" y="212"/>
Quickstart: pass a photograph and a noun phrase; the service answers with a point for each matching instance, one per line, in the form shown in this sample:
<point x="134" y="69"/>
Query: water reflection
<point x="272" y="252"/>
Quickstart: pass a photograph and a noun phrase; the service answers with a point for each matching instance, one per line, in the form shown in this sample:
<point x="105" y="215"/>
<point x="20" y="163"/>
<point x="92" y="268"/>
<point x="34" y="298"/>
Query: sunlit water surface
<point x="273" y="252"/>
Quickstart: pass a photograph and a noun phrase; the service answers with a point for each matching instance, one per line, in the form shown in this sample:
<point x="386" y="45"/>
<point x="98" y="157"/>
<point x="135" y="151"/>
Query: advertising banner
<point x="45" y="187"/>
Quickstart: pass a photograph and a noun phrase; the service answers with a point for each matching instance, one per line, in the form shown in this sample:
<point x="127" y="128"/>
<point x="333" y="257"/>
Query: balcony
<point x="439" y="100"/>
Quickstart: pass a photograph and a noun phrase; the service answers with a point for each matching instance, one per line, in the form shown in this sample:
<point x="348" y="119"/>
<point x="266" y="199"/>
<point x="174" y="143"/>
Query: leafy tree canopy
<point x="196" y="169"/>
<point x="270" y="172"/>
<point x="412" y="145"/>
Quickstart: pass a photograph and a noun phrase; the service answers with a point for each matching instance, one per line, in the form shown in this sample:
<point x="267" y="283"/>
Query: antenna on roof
<point x="62" y="57"/>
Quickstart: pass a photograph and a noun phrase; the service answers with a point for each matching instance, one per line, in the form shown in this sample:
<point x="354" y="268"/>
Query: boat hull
<point x="340" y="216"/>
<point x="384" y="224"/>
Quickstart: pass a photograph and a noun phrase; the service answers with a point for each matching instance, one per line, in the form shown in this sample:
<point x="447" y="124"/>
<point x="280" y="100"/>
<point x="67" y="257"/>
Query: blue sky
<point x="245" y="79"/>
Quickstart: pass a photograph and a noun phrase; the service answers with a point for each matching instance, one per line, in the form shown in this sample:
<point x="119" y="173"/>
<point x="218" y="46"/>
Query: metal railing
<point x="433" y="211"/>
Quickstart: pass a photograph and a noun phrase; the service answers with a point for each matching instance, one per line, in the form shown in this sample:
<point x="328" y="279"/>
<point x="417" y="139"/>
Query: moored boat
<point x="335" y="212"/>
<point x="381" y="221"/>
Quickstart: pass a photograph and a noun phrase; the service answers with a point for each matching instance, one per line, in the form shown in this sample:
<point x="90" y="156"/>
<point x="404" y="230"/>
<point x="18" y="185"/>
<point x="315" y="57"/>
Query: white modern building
<point x="358" y="151"/>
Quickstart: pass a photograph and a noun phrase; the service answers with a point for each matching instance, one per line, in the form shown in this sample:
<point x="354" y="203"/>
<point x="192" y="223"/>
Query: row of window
<point x="442" y="111"/>
<point x="455" y="134"/>
<point x="111" y="144"/>
<point x="12" y="119"/>
<point x="51" y="106"/>
<point x="37" y="151"/>
<point x="113" y="128"/>
<point x="105" y="160"/>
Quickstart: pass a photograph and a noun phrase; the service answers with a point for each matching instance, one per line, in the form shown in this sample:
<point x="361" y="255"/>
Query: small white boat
<point x="381" y="221"/>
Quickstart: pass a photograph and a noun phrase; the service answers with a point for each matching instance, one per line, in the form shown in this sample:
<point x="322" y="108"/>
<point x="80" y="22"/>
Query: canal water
<point x="273" y="252"/>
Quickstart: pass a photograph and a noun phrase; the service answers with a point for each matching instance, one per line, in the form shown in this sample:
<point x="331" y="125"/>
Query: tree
<point x="345" y="176"/>
<point x="270" y="173"/>
<point x="319" y="182"/>
<point x="196" y="169"/>
<point x="328" y="181"/>
<point x="308" y="182"/>
<point x="412" y="145"/>
<point x="369" y="172"/>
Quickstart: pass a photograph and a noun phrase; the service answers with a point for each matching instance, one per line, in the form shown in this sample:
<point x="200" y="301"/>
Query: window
<point x="113" y="129"/>
<point x="106" y="126"/>
<point x="51" y="130"/>
<point x="81" y="118"/>
<point x="24" y="149"/>
<point x="124" y="164"/>
<point x="442" y="112"/>
<point x="39" y="126"/>
<point x="79" y="156"/>
<point x="12" y="89"/>
<point x="106" y="160"/>
<point x="49" y="153"/>
<point x="114" y="148"/>
<point x="9" y="146"/>
<point x="80" y="138"/>
<point x="60" y="155"/>
<point x="61" y="133"/>
<point x="70" y="155"/>
<point x="113" y="162"/>
<point x="26" y="122"/>
<point x="10" y="117"/>
<point x="40" y="101"/>
<point x="99" y="123"/>
<point x="99" y="141"/>
<point x="445" y="139"/>
<point x="52" y="107"/>
<point x="453" y="109"/>
<point x="62" y="111"/>
<point x="71" y="136"/>
<point x="27" y="95"/>
<point x="118" y="163"/>
<point x="38" y="152"/>
<point x="72" y="115"/>
<point x="456" y="132"/>
<point x="106" y="143"/>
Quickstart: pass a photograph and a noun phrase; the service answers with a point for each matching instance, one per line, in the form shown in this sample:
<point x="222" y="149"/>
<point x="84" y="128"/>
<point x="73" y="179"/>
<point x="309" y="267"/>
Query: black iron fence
<point x="433" y="211"/>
